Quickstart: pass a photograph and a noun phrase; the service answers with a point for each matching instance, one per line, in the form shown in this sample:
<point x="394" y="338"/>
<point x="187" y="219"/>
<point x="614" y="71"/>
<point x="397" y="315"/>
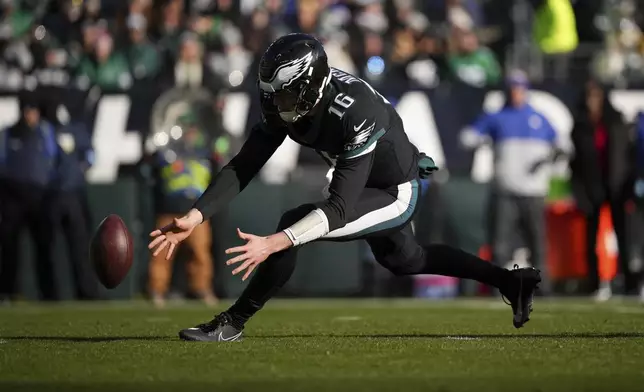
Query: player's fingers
<point x="236" y="249"/>
<point x="170" y="250"/>
<point x="243" y="235"/>
<point x="160" y="248"/>
<point x="242" y="267"/>
<point x="237" y="259"/>
<point x="156" y="233"/>
<point x="249" y="271"/>
<point x="156" y="241"/>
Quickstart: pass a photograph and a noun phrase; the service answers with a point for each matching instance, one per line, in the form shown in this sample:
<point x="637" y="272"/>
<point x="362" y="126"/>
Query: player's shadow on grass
<point x="456" y="336"/>
<point x="88" y="339"/>
<point x="107" y="339"/>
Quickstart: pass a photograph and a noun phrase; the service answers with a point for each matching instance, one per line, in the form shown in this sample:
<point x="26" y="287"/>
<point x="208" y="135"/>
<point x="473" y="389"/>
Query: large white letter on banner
<point x="112" y="143"/>
<point x="9" y="111"/>
<point x="418" y="119"/>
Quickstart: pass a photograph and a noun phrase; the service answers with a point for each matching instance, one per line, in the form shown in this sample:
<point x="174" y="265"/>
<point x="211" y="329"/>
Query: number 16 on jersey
<point x="343" y="101"/>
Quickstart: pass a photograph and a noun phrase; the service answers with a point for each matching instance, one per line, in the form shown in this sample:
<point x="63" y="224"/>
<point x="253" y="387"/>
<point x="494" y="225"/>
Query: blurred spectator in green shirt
<point x="143" y="55"/>
<point x="16" y="21"/>
<point x="171" y="26"/>
<point x="107" y="68"/>
<point x="471" y="63"/>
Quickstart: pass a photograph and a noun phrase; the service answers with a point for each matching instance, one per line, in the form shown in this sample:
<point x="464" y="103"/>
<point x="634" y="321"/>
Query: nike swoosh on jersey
<point x="363" y="136"/>
<point x="357" y="128"/>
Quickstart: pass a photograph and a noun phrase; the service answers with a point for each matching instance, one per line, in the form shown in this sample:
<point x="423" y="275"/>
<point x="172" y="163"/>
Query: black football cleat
<point x="219" y="329"/>
<point x="525" y="281"/>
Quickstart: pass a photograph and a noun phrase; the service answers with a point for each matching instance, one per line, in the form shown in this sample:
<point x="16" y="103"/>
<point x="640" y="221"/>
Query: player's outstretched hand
<point x="177" y="231"/>
<point x="256" y="250"/>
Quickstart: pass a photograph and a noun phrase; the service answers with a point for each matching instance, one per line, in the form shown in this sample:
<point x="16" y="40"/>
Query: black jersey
<point x="353" y="127"/>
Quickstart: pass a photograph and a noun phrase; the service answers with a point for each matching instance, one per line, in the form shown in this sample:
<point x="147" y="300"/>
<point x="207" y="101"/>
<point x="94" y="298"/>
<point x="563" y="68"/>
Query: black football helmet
<point x="293" y="73"/>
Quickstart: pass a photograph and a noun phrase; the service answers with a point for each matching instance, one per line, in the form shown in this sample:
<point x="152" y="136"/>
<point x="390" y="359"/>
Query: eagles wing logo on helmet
<point x="287" y="73"/>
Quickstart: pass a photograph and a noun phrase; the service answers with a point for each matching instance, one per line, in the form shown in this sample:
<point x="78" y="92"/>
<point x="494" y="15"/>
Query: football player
<point x="373" y="193"/>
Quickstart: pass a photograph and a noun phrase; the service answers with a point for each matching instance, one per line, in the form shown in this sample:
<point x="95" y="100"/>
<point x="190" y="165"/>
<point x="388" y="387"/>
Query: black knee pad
<point x="293" y="215"/>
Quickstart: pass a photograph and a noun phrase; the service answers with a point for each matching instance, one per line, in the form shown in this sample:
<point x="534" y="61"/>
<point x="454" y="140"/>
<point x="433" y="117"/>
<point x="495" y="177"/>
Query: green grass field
<point x="327" y="345"/>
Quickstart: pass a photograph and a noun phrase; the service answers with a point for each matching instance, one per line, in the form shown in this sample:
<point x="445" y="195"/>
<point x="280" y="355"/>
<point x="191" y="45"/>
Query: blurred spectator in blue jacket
<point x="524" y="143"/>
<point x="69" y="209"/>
<point x="29" y="160"/>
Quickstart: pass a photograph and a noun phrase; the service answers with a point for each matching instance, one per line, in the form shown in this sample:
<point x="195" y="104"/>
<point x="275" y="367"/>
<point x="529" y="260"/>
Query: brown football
<point x="111" y="251"/>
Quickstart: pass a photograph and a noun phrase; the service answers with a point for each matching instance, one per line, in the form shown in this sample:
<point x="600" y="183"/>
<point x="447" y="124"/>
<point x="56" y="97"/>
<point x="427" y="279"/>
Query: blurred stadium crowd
<point x="207" y="48"/>
<point x="115" y="43"/>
